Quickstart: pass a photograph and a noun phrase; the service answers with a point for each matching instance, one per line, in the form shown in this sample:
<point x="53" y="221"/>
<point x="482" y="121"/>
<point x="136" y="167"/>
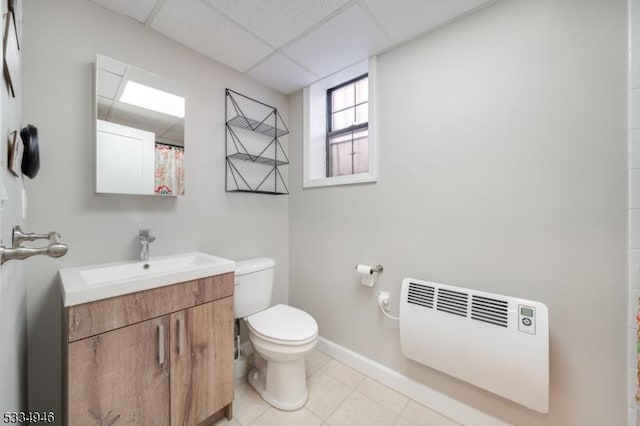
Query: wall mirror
<point x="139" y="147"/>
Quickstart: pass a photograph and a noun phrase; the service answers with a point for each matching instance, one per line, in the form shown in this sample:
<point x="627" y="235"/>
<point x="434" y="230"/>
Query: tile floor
<point x="338" y="396"/>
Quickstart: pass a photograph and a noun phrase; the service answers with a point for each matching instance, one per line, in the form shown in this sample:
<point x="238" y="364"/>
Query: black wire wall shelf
<point x="257" y="159"/>
<point x="257" y="126"/>
<point x="266" y="156"/>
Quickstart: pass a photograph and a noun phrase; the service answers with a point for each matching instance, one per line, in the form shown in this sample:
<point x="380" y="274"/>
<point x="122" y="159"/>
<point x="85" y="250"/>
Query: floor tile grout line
<point x="252" y="422"/>
<point x="266" y="408"/>
<point x="397" y="415"/>
<point x="408" y="399"/>
<point x="364" y="376"/>
<point x="341" y="402"/>
<point x="404" y="407"/>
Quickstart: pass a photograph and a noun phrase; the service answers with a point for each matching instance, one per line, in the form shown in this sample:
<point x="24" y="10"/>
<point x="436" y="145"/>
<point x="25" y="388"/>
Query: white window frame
<point x="315" y="128"/>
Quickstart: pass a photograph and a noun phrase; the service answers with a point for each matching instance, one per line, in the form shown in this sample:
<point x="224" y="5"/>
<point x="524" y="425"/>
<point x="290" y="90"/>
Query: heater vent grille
<point x="453" y="302"/>
<point x="421" y="295"/>
<point x="492" y="311"/>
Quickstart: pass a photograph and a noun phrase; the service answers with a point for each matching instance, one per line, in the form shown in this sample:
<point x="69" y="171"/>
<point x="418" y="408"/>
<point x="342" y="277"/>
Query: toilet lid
<point x="284" y="323"/>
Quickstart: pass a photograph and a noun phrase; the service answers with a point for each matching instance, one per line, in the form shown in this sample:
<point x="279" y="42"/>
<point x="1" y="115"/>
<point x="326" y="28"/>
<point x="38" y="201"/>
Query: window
<point x="339" y="128"/>
<point x="348" y="128"/>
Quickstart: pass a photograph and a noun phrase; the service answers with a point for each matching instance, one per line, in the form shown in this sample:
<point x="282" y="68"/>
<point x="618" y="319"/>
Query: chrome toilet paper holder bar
<point x="377" y="268"/>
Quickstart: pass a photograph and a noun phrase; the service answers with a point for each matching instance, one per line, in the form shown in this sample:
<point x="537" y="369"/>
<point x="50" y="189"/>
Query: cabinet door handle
<point x="161" y="344"/>
<point x="180" y="336"/>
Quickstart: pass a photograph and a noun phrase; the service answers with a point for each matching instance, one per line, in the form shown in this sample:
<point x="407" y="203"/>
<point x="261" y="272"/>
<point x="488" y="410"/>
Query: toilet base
<point x="257" y="380"/>
<point x="279" y="375"/>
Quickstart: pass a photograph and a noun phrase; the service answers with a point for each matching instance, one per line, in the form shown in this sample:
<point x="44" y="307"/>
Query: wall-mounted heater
<point x="495" y="342"/>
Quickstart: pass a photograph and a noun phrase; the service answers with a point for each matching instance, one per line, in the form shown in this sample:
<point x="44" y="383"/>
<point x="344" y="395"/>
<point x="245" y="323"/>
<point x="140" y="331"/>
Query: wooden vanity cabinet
<point x="157" y="357"/>
<point x="201" y="361"/>
<point x="116" y="376"/>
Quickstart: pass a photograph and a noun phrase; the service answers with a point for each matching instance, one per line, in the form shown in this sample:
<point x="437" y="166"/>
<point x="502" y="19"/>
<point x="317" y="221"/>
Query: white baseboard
<point x="419" y="392"/>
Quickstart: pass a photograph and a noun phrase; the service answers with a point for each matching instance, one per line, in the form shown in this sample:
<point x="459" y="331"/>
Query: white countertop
<point x="94" y="282"/>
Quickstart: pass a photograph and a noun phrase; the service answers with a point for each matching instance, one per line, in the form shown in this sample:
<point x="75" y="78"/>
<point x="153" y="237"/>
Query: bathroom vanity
<point x="160" y="356"/>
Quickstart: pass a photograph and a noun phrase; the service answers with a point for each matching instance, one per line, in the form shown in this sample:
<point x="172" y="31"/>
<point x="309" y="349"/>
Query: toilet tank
<point x="253" y="286"/>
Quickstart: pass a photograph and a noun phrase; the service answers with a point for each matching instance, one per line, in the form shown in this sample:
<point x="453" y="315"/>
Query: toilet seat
<point x="283" y="324"/>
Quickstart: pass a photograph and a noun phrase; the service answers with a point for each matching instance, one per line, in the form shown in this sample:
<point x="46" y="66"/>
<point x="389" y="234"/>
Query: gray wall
<point x="61" y="41"/>
<point x="502" y="168"/>
<point x="13" y="292"/>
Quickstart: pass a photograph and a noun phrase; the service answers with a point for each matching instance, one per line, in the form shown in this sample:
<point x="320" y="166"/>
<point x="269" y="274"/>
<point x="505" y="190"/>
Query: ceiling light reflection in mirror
<point x="156" y="100"/>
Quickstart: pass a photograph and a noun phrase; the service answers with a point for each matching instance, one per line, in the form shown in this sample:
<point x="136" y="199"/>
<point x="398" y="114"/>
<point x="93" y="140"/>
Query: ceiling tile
<point x="345" y="39"/>
<point x="277" y="21"/>
<point x="405" y="19"/>
<point x="111" y="65"/>
<point x="135" y="9"/>
<point x="242" y="33"/>
<point x="109" y="84"/>
<point x="201" y="28"/>
<point x="282" y="74"/>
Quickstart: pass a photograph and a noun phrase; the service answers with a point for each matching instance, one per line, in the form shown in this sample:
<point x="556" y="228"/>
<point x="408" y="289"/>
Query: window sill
<point x="340" y="180"/>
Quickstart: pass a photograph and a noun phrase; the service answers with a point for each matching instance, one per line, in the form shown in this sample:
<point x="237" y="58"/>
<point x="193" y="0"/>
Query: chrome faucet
<point x="145" y="239"/>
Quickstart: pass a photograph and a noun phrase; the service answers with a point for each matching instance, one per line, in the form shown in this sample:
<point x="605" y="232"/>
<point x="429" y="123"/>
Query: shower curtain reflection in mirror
<point x="169" y="172"/>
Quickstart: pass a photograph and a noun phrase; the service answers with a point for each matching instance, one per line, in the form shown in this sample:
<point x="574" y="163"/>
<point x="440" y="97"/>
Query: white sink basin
<point x="88" y="283"/>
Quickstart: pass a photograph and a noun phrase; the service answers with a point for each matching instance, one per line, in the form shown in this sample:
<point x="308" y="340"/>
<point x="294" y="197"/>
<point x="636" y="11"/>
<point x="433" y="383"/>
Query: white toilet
<point x="281" y="336"/>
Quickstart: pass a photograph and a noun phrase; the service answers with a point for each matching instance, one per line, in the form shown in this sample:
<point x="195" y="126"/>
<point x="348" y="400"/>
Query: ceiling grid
<point x="289" y="44"/>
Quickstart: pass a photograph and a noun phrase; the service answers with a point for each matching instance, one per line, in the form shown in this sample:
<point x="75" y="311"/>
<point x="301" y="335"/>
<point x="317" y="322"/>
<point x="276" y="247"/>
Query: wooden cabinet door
<point x="201" y="361"/>
<point x="119" y="377"/>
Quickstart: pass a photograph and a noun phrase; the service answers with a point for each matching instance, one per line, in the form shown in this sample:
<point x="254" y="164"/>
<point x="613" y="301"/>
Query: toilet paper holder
<point x="377" y="268"/>
<point x="368" y="274"/>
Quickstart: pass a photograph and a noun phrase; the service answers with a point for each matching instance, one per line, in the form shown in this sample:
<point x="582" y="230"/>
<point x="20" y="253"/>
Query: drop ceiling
<point x="289" y="44"/>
